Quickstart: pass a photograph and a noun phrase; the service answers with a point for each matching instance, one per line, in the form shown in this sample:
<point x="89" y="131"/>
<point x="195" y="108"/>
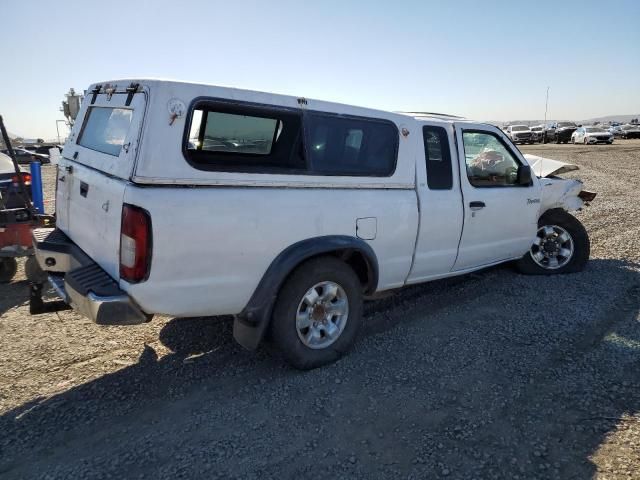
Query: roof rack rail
<point x="432" y="114"/>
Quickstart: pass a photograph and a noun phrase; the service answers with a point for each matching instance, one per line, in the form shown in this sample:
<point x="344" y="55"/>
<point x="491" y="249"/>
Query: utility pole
<point x="546" y="107"/>
<point x="58" y="130"/>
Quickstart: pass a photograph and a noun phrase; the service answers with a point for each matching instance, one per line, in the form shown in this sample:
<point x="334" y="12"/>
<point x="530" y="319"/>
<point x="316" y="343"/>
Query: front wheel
<point x="318" y="313"/>
<point x="561" y="245"/>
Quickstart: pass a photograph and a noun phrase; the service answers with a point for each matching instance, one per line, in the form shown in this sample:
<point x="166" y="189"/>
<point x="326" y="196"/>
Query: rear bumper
<point x="81" y="283"/>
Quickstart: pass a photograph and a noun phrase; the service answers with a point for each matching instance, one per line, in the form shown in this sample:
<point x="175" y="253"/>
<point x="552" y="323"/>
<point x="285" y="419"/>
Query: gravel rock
<point x="490" y="375"/>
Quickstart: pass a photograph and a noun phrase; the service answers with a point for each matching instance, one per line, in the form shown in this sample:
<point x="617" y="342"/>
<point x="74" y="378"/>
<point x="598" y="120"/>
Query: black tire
<point x="283" y="324"/>
<point x="581" y="245"/>
<point x="33" y="272"/>
<point x="8" y="269"/>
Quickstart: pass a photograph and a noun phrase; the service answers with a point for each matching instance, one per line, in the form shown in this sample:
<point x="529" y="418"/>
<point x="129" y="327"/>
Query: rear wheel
<point x="8" y="269"/>
<point x="561" y="246"/>
<point x="317" y="313"/>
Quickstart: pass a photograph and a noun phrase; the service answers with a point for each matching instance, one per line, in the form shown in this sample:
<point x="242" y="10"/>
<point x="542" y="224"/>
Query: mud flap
<point x="249" y="334"/>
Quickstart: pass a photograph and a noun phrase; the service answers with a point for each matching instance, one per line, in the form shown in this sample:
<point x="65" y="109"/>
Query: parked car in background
<point x="560" y="132"/>
<point x="589" y="135"/>
<point x="520" y="134"/>
<point x="630" y="131"/>
<point x="25" y="156"/>
<point x="42" y="149"/>
<point x="10" y="190"/>
<point x="538" y="133"/>
<point x="615" y="130"/>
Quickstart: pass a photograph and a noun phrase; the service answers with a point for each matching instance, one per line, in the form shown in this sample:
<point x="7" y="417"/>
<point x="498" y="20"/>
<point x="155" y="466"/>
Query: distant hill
<point x="612" y="118"/>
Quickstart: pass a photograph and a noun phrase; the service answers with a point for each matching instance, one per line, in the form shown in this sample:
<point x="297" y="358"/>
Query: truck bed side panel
<point x="211" y="245"/>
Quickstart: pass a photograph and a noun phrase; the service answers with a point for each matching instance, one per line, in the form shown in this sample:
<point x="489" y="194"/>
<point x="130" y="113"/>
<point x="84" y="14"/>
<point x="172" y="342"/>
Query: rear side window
<point x="438" y="158"/>
<point x="241" y="137"/>
<point x="105" y="129"/>
<point x="339" y="145"/>
<point x="245" y="138"/>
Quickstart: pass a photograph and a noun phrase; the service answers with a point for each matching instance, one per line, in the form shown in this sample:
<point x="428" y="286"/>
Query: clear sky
<point x="485" y="59"/>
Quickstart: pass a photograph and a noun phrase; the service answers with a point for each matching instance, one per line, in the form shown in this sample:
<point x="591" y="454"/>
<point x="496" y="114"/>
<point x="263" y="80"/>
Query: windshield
<point x="594" y="130"/>
<point x="567" y="124"/>
<point x="536" y="129"/>
<point x="519" y="128"/>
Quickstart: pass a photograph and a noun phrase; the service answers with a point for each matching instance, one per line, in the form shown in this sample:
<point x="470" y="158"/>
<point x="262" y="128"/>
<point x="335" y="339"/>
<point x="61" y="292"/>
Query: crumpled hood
<point x="545" y="167"/>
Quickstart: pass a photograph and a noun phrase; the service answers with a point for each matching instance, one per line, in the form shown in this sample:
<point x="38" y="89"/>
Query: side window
<point x="489" y="162"/>
<point x="244" y="138"/>
<point x="438" y="158"/>
<point x="339" y="145"/>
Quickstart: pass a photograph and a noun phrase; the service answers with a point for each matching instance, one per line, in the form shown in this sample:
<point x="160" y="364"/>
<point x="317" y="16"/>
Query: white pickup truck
<point x="191" y="200"/>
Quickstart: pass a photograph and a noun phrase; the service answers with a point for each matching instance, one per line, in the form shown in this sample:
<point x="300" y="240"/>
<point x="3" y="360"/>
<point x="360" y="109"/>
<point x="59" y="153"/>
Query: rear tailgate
<point x="97" y="162"/>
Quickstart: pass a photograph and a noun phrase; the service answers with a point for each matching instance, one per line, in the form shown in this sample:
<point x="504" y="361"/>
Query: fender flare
<point x="251" y="324"/>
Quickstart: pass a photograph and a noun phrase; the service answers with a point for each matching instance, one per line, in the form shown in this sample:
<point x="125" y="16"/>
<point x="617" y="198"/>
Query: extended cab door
<point x="500" y="215"/>
<point x="440" y="202"/>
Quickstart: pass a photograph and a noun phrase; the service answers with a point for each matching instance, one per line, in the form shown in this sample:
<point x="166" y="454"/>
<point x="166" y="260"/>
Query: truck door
<point x="440" y="202"/>
<point x="500" y="215"/>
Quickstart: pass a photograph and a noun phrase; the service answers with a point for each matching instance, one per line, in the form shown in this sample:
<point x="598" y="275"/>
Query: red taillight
<point x="135" y="244"/>
<point x="26" y="178"/>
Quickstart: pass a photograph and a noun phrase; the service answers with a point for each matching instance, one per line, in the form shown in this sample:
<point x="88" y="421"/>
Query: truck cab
<point x="192" y="200"/>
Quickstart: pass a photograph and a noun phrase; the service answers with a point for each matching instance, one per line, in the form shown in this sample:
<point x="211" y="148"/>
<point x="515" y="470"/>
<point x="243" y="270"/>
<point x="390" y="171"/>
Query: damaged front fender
<point x="558" y="192"/>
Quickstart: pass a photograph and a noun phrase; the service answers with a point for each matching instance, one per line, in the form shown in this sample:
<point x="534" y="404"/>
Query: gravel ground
<point x="490" y="375"/>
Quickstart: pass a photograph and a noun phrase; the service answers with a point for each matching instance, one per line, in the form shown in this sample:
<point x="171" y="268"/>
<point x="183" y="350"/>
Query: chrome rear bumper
<point x="81" y="283"/>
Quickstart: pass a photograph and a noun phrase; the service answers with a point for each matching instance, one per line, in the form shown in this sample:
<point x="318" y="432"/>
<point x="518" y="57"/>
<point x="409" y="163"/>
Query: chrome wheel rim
<point x="322" y="315"/>
<point x="552" y="247"/>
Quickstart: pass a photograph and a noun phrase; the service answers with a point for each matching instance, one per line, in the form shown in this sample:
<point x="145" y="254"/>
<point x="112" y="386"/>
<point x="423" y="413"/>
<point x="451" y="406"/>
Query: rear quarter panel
<point x="211" y="245"/>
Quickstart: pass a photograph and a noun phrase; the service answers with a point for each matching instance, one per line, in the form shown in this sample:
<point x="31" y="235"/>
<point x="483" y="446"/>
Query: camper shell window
<point x="244" y="137"/>
<point x="105" y="129"/>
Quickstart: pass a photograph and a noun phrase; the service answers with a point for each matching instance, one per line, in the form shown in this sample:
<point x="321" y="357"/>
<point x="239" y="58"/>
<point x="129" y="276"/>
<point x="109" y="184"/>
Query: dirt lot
<point x="491" y="375"/>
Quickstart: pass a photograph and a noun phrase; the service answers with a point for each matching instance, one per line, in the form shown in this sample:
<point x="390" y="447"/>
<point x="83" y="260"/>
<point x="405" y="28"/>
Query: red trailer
<point x="17" y="222"/>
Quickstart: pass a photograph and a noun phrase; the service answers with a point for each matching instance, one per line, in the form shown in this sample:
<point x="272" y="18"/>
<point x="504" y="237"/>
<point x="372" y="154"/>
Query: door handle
<point x="84" y="189"/>
<point x="476" y="205"/>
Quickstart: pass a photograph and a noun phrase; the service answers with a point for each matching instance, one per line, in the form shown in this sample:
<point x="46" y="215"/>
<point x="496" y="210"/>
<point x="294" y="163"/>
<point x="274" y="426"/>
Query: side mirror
<point x="524" y="175"/>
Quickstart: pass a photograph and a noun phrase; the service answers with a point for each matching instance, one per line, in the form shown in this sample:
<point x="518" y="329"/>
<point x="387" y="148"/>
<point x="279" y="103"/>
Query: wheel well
<point x="358" y="262"/>
<point x="360" y="265"/>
